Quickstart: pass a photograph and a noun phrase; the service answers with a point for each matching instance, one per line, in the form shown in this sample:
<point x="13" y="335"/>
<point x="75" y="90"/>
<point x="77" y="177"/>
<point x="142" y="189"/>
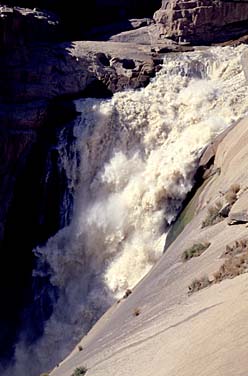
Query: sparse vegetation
<point x="231" y="194"/>
<point x="127" y="293"/>
<point x="218" y="212"/>
<point x="136" y="312"/>
<point x="213" y="215"/>
<point x="198" y="284"/>
<point x="196" y="250"/>
<point x="80" y="371"/>
<point x="239" y="246"/>
<point x="232" y="267"/>
<point x="125" y="296"/>
<point x="236" y="263"/>
<point x="44" y="374"/>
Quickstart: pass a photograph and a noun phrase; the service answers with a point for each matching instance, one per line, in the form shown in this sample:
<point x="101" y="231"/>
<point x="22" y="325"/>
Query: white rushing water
<point x="138" y="154"/>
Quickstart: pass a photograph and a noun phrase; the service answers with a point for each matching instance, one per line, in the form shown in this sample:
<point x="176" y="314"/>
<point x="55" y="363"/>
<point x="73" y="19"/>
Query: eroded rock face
<point x="19" y="26"/>
<point x="202" y="21"/>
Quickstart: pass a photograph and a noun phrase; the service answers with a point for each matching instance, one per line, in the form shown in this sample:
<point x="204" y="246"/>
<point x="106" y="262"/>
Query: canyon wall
<point x="202" y="21"/>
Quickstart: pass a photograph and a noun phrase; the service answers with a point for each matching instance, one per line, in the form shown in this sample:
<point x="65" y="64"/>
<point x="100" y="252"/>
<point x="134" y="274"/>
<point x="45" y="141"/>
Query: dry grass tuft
<point x="236" y="263"/>
<point x="239" y="246"/>
<point x="232" y="267"/>
<point x="198" y="284"/>
<point x="80" y="371"/>
<point x="196" y="250"/>
<point x="231" y="194"/>
<point x="213" y="215"/>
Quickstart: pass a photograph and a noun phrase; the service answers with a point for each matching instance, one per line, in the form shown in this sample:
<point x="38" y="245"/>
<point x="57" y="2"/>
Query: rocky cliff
<point x="202" y="21"/>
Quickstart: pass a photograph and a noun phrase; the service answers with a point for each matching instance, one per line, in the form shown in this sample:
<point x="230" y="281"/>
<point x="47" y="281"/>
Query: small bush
<point x="198" y="284"/>
<point x="127" y="293"/>
<point x="232" y="267"/>
<point x="236" y="263"/>
<point x="213" y="215"/>
<point x="239" y="246"/>
<point x="80" y="348"/>
<point x="80" y="371"/>
<point x="196" y="250"/>
<point x="235" y="188"/>
<point x="231" y="194"/>
<point x="231" y="197"/>
<point x="136" y="312"/>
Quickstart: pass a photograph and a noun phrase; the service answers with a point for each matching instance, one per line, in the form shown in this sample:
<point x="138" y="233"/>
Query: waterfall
<point x="136" y="155"/>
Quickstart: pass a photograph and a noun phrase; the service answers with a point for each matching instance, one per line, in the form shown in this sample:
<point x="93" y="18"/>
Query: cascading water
<point x="137" y="157"/>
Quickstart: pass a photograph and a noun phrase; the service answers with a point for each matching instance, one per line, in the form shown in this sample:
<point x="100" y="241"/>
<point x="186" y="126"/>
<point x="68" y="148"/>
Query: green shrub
<point x="80" y="371"/>
<point x="196" y="250"/>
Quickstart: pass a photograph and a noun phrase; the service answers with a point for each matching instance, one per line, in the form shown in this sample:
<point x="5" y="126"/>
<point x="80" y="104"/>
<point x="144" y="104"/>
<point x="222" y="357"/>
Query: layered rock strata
<point x="202" y="21"/>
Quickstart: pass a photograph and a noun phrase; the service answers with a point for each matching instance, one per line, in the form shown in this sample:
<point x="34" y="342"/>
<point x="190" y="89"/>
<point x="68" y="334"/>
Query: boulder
<point x="239" y="211"/>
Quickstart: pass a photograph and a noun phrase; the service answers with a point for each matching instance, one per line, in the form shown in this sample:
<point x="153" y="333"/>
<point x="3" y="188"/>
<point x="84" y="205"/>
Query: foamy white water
<point x="138" y="154"/>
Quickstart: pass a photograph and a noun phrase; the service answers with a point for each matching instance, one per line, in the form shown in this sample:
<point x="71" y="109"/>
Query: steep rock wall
<point x="202" y="21"/>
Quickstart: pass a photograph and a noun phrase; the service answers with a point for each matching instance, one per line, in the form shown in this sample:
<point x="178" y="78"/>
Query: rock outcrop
<point x="20" y="26"/>
<point x="78" y="17"/>
<point x="202" y="21"/>
<point x="33" y="75"/>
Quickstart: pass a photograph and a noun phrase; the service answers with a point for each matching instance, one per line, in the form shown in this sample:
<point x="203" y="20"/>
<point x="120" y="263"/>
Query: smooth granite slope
<point x="175" y="334"/>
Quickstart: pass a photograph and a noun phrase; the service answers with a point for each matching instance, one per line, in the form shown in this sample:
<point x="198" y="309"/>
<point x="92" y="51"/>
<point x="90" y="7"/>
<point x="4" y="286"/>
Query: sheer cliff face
<point x="202" y="21"/>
